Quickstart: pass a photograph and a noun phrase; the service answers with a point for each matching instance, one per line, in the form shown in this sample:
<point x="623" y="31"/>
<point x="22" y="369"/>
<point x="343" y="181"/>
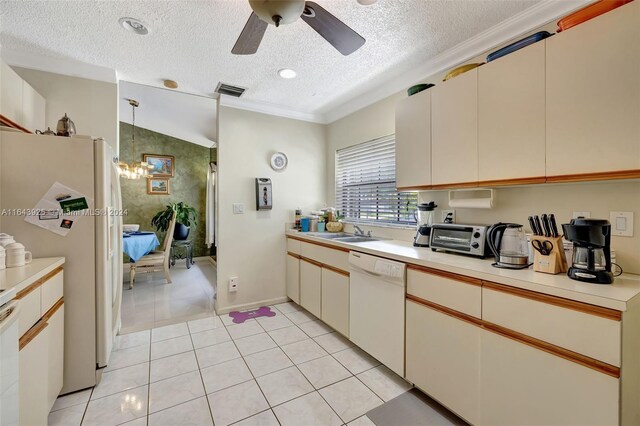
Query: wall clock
<point x="279" y="161"/>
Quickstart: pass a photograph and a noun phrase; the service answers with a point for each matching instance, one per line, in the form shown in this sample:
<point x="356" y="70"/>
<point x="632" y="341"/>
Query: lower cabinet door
<point x="335" y="300"/>
<point x="443" y="357"/>
<point x="293" y="278"/>
<point x="311" y="287"/>
<point x="56" y="355"/>
<point x="524" y="385"/>
<point x="34" y="366"/>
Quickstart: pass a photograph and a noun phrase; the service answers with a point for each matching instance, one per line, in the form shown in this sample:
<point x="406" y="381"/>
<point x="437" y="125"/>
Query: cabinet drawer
<point x="579" y="327"/>
<point x="328" y="256"/>
<point x="293" y="246"/>
<point x="52" y="291"/>
<point x="29" y="309"/>
<point x="457" y="292"/>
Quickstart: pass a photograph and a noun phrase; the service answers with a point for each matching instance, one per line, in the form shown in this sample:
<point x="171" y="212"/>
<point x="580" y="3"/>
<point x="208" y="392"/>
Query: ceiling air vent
<point x="227" y="89"/>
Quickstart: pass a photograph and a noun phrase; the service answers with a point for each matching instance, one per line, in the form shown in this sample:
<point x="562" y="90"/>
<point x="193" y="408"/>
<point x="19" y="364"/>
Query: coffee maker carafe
<point x="424" y="219"/>
<point x="591" y="240"/>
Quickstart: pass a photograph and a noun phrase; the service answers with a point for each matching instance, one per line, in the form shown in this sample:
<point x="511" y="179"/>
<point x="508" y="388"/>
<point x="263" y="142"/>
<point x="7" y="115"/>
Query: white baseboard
<point x="248" y="306"/>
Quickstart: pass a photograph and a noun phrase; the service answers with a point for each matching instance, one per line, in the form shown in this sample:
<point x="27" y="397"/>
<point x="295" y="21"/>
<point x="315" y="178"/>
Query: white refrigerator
<point x="29" y="166"/>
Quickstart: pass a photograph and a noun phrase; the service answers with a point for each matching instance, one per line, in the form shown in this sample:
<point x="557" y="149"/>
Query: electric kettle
<point x="508" y="243"/>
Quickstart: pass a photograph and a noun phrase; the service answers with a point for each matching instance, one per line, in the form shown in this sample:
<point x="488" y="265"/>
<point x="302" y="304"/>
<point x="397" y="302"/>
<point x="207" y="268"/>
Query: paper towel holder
<point x="476" y="198"/>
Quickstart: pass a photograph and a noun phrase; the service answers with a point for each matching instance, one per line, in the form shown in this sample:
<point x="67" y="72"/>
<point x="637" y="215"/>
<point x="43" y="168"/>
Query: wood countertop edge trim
<point x="599" y="311"/>
<point x="52" y="311"/>
<point x="37" y="283"/>
<point x="445" y="274"/>
<point x="317" y="243"/>
<point x="32" y="333"/>
<point x="585" y="361"/>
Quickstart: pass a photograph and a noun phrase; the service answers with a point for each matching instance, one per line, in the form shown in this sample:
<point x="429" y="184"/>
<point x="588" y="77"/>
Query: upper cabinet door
<point x="511" y="122"/>
<point x="454" y="130"/>
<point x="593" y="95"/>
<point x="413" y="141"/>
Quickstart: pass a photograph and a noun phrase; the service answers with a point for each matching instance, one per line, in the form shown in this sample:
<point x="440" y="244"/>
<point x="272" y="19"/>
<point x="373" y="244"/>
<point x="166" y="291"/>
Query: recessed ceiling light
<point x="367" y="2"/>
<point x="134" y="25"/>
<point x="287" y="73"/>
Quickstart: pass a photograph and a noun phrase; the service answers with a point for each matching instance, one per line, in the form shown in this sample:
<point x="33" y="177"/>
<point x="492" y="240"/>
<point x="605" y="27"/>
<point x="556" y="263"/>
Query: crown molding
<point x="270" y="109"/>
<point x="530" y="19"/>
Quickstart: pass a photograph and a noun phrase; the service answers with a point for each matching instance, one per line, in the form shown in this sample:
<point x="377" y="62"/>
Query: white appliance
<point x="9" y="364"/>
<point x="376" y="308"/>
<point x="29" y="165"/>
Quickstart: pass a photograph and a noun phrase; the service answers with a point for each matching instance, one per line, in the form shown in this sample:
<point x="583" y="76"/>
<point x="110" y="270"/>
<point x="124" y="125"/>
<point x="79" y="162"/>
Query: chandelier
<point x="134" y="170"/>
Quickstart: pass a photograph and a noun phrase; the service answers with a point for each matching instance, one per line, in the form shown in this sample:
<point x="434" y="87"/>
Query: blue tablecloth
<point x="137" y="246"/>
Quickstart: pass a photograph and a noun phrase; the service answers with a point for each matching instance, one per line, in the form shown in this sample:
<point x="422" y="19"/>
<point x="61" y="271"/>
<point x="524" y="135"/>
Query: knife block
<point x="555" y="262"/>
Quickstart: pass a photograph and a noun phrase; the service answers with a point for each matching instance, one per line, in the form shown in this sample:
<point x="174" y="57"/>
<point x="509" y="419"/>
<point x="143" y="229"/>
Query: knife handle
<point x="554" y="226"/>
<point x="536" y="220"/>
<point x="532" y="224"/>
<point x="545" y="224"/>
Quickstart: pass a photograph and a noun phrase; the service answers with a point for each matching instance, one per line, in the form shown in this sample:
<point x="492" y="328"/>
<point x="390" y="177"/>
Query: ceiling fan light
<point x="288" y="11"/>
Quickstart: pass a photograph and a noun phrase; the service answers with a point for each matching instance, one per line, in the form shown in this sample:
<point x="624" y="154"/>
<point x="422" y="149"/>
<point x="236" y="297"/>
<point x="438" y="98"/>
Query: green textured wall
<point x="188" y="185"/>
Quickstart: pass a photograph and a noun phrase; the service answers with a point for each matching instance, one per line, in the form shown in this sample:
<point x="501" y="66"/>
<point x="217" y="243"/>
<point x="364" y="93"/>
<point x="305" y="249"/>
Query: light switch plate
<point x="238" y="208"/>
<point x="621" y="224"/>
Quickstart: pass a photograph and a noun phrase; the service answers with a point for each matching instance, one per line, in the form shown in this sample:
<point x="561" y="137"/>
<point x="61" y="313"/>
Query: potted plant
<point x="185" y="217"/>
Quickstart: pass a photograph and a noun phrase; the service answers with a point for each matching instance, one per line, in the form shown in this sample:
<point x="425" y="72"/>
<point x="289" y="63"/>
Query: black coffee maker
<point x="591" y="240"/>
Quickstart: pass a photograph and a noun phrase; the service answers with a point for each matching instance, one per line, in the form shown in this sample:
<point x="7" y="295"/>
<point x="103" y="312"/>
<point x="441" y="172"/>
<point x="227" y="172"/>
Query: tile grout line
<point x="204" y="388"/>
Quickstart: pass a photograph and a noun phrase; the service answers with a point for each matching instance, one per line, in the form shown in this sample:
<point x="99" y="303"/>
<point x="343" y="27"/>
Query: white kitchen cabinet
<point x="443" y="359"/>
<point x="34" y="376"/>
<point x="55" y="335"/>
<point x="454" y="130"/>
<point x="413" y="141"/>
<point x="511" y="116"/>
<point x="11" y="86"/>
<point x="33" y="109"/>
<point x="593" y="95"/>
<point x="311" y="286"/>
<point x="335" y="300"/>
<point x="527" y="386"/>
<point x="293" y="278"/>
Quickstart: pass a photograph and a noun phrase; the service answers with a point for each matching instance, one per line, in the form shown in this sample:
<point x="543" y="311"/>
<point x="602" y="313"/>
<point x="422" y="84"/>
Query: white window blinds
<point x="366" y="185"/>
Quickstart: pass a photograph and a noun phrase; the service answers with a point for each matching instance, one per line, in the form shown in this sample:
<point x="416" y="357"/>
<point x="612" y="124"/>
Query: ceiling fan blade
<point x="332" y="29"/>
<point x="250" y="37"/>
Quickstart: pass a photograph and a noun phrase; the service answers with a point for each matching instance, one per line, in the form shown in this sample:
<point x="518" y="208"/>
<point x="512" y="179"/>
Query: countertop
<point x="614" y="296"/>
<point x="12" y="280"/>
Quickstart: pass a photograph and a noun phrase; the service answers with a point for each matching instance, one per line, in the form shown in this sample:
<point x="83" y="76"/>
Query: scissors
<point x="543" y="247"/>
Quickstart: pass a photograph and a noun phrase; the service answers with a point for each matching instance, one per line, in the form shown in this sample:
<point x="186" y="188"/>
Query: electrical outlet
<point x="233" y="284"/>
<point x="621" y="223"/>
<point x="445" y="213"/>
<point x="581" y="214"/>
<point x="238" y="208"/>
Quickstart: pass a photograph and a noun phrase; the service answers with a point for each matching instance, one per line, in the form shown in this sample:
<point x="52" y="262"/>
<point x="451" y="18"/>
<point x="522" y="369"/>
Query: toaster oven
<point x="460" y="238"/>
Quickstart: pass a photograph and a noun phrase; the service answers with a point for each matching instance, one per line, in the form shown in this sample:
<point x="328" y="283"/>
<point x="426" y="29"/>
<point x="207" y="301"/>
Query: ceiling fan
<point x="277" y="12"/>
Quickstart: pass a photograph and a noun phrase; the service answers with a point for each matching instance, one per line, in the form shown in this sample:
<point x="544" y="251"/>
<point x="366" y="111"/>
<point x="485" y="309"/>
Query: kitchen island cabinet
<point x="593" y="96"/>
<point x="454" y="131"/>
<point x="413" y="142"/>
<point x="511" y="118"/>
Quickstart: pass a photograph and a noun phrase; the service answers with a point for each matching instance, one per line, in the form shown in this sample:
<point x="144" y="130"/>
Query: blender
<point x="591" y="240"/>
<point x="424" y="219"/>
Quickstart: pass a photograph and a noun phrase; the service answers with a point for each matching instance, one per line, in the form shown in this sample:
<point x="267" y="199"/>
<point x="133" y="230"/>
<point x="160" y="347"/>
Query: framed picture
<point x="158" y="186"/>
<point x="163" y="165"/>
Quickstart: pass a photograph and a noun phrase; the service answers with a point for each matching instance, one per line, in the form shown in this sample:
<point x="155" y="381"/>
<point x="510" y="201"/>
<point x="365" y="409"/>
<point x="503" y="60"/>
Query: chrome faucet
<point x="359" y="231"/>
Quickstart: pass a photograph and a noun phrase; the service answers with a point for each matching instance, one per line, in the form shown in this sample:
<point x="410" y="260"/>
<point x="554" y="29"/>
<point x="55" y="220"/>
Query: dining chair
<point x="155" y="261"/>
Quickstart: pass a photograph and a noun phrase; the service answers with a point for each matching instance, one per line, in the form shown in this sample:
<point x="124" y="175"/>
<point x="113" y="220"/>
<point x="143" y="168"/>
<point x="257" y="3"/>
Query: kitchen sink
<point x="354" y="239"/>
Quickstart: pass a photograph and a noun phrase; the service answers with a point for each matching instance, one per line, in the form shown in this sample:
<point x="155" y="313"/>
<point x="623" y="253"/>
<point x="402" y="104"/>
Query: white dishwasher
<point x="376" y="308"/>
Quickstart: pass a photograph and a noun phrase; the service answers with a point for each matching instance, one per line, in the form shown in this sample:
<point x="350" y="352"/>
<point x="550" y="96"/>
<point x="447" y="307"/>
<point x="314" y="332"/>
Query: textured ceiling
<point x="190" y="42"/>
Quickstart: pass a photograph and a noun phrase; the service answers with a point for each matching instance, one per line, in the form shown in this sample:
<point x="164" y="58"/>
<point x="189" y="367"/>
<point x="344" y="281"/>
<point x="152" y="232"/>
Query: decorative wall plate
<point x="279" y="161"/>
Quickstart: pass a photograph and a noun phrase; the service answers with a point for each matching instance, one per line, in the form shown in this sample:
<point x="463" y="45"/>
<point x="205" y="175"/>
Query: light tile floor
<point x="153" y="302"/>
<point x="284" y="370"/>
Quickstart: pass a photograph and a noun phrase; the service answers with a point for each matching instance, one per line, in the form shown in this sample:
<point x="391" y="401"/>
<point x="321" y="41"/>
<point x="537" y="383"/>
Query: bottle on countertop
<point x="298" y="216"/>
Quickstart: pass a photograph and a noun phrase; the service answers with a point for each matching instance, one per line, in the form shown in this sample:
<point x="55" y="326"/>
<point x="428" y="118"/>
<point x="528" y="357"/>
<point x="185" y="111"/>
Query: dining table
<point x="138" y="244"/>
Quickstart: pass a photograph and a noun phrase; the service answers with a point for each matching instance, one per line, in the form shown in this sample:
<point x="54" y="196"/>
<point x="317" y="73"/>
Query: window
<point x="366" y="185"/>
